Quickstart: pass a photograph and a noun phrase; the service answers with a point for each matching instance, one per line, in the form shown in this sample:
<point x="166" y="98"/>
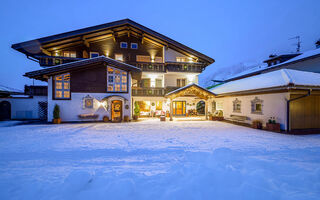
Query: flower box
<point x="126" y="118"/>
<point x="105" y="119"/>
<point x="215" y="118"/>
<point x="275" y="127"/>
<point x="56" y="121"/>
<point x="257" y="124"/>
<point x="162" y="118"/>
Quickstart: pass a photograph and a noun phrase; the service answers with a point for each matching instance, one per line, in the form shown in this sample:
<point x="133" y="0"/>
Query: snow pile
<point x="156" y="160"/>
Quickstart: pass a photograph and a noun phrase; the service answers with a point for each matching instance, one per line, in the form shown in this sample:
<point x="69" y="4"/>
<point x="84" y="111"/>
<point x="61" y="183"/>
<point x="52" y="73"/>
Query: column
<point x="206" y="109"/>
<point x="171" y="110"/>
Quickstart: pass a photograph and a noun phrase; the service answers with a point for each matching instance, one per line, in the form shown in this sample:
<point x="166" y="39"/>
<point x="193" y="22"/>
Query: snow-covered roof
<point x="283" y="77"/>
<point x="9" y="90"/>
<point x="301" y="57"/>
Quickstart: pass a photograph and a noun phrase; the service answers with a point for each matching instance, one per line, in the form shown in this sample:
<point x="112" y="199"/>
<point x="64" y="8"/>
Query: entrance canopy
<point x="191" y="90"/>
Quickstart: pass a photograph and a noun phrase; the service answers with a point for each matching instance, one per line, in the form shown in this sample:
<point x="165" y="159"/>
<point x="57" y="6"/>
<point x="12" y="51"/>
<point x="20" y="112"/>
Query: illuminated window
<point x="119" y="57"/>
<point x="62" y="86"/>
<point x="181" y="59"/>
<point x="71" y="54"/>
<point x="134" y="46"/>
<point x="117" y="80"/>
<point x="123" y="45"/>
<point x="94" y="54"/>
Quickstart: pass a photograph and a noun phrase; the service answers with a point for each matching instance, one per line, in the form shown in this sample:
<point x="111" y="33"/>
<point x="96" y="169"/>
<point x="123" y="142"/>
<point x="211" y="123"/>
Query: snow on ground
<point x="156" y="160"/>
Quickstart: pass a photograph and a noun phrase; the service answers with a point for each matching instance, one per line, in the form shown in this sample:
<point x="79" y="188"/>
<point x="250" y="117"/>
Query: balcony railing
<point x="152" y="91"/>
<point x="150" y="67"/>
<point x="185" y="67"/>
<point x="55" y="60"/>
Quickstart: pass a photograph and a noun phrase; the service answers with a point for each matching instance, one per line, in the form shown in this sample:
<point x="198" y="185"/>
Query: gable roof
<point x="39" y="74"/>
<point x="304" y="56"/>
<point x="108" y="26"/>
<point x="280" y="78"/>
<point x="180" y="91"/>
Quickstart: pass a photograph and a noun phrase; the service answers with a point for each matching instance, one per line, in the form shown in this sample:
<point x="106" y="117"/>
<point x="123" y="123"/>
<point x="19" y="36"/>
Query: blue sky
<point x="229" y="31"/>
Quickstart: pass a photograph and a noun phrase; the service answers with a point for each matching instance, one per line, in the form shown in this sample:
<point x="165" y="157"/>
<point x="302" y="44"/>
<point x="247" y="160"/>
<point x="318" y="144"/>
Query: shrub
<point x="56" y="112"/>
<point x="136" y="109"/>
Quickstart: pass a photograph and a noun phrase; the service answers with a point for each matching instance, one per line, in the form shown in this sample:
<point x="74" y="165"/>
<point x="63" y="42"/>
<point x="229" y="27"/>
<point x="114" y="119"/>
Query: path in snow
<point x="159" y="160"/>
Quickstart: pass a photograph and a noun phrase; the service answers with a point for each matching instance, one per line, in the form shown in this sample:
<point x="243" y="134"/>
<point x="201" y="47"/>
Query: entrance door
<point x="5" y="110"/>
<point x="179" y="108"/>
<point x="116" y="112"/>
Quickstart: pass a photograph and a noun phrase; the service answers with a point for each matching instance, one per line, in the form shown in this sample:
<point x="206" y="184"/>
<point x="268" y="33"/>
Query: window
<point x="256" y="106"/>
<point x="119" y="57"/>
<point x="134" y="46"/>
<point x="236" y="106"/>
<point x="71" y="54"/>
<point x="158" y="83"/>
<point x="117" y="80"/>
<point x="87" y="102"/>
<point x="181" y="59"/>
<point x="181" y="82"/>
<point x="62" y="86"/>
<point x="123" y="45"/>
<point x="94" y="54"/>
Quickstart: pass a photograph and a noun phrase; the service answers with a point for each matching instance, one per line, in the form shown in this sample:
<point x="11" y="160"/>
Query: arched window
<point x="201" y="107"/>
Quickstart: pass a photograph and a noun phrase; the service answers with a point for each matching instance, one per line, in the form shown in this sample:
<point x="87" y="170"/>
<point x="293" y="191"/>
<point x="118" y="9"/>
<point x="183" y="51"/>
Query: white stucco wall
<point x="70" y="109"/>
<point x="25" y="108"/>
<point x="171" y="78"/>
<point x="274" y="105"/>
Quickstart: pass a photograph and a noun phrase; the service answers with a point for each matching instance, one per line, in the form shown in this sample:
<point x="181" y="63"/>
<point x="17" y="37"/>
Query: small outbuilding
<point x="290" y="97"/>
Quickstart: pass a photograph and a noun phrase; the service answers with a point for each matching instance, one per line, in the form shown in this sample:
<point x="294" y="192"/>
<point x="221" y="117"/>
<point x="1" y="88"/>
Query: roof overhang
<point x="191" y="90"/>
<point x="44" y="74"/>
<point x="95" y="33"/>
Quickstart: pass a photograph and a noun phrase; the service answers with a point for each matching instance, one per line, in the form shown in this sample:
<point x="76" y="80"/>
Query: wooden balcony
<point x="150" y="67"/>
<point x="151" y="91"/>
<point x="46" y="61"/>
<point x="185" y="67"/>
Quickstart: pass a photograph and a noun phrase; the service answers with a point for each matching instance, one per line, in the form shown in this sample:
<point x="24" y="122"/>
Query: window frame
<point x="133" y="43"/>
<point x="234" y="107"/>
<point x="114" y="78"/>
<point x="69" y="52"/>
<point x="54" y="87"/>
<point x="126" y="43"/>
<point x="254" y="103"/>
<point x="93" y="52"/>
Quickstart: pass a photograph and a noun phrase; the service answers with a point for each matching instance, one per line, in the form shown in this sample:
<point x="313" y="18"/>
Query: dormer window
<point x="123" y="45"/>
<point x="94" y="54"/>
<point x="134" y="46"/>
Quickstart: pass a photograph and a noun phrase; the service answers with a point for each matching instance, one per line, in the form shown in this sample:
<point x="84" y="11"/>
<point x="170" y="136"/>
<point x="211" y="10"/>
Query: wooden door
<point x="5" y="110"/>
<point x="116" y="111"/>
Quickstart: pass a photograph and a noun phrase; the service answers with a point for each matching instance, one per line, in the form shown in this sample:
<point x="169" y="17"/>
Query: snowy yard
<point x="154" y="160"/>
